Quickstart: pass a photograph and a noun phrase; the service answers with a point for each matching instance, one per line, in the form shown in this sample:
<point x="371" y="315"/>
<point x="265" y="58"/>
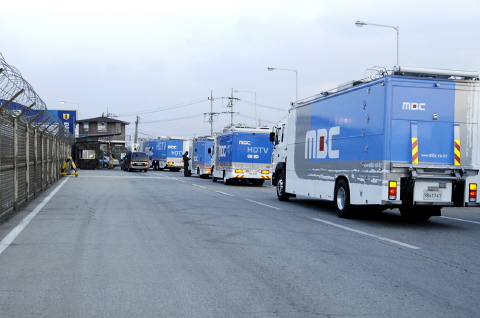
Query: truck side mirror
<point x="272" y="136"/>
<point x="209" y="150"/>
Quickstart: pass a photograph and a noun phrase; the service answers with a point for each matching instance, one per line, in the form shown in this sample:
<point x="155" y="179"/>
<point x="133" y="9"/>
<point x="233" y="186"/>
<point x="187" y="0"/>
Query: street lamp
<point x="256" y="120"/>
<point x="78" y="107"/>
<point x="296" y="78"/>
<point x="397" y="28"/>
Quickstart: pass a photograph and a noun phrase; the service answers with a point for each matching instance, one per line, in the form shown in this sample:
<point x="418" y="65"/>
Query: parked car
<point x="105" y="160"/>
<point x="135" y="161"/>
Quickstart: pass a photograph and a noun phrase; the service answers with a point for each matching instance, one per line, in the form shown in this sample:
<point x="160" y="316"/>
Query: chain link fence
<point x="34" y="144"/>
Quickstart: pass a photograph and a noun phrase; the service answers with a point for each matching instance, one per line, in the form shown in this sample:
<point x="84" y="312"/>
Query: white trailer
<point x="406" y="139"/>
<point x="242" y="154"/>
<point x="201" y="156"/>
<point x="166" y="152"/>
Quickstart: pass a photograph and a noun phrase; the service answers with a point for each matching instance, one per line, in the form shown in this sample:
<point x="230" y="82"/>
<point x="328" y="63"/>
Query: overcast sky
<point x="160" y="60"/>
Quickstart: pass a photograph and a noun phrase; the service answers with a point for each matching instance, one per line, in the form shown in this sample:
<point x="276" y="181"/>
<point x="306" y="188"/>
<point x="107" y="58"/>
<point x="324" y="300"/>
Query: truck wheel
<point x="342" y="200"/>
<point x="281" y="194"/>
<point x="213" y="178"/>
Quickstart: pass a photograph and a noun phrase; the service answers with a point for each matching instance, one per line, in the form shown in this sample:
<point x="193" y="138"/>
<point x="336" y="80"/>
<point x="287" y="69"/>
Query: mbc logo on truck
<point x="413" y="106"/>
<point x="319" y="143"/>
<point x="222" y="151"/>
<point x="244" y="142"/>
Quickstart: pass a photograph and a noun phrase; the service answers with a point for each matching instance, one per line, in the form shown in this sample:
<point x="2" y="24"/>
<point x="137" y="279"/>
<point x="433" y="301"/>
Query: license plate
<point x="432" y="195"/>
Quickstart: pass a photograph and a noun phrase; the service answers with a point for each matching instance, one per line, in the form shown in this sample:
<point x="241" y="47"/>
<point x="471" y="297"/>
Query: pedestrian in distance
<point x="186" y="171"/>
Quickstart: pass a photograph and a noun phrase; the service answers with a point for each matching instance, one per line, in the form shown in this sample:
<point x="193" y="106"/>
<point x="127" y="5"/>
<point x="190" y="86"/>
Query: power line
<point x="264" y="106"/>
<point x="156" y="110"/>
<point x="259" y="119"/>
<point x="171" y="119"/>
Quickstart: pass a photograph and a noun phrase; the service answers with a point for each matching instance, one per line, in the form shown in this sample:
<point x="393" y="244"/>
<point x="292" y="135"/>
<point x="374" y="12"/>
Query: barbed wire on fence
<point x="18" y="98"/>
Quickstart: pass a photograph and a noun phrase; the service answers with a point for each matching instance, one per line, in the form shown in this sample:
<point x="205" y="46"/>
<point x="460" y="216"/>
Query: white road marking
<point x="268" y="206"/>
<point x="19" y="228"/>
<point x="368" y="234"/>
<point x="462" y="220"/>
<point x="230" y="195"/>
<point x="196" y="185"/>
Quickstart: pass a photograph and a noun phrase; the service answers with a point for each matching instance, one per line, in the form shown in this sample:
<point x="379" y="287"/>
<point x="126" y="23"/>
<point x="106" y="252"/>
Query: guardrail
<point x="33" y="142"/>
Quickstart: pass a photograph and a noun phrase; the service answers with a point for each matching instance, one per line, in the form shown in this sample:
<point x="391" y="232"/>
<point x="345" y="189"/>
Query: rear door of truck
<point x="423" y="127"/>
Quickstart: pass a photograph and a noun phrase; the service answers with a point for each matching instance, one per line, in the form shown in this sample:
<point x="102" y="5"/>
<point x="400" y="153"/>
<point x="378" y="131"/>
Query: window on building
<point x="102" y="126"/>
<point x="88" y="154"/>
<point x="86" y="126"/>
<point x="118" y="128"/>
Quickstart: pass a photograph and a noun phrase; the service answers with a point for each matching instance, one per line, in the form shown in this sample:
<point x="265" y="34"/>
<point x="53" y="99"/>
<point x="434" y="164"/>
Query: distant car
<point x="135" y="161"/>
<point x="105" y="160"/>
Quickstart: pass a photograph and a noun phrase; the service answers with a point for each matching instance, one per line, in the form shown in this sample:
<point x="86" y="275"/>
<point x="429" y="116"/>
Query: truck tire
<point x="281" y="194"/>
<point x="342" y="200"/>
<point x="213" y="178"/>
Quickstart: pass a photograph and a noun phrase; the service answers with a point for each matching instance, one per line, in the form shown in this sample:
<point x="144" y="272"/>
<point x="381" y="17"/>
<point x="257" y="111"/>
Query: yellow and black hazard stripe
<point x="414" y="137"/>
<point x="456" y="145"/>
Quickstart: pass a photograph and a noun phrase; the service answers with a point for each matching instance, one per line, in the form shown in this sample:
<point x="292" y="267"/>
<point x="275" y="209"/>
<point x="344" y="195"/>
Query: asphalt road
<point x="112" y="243"/>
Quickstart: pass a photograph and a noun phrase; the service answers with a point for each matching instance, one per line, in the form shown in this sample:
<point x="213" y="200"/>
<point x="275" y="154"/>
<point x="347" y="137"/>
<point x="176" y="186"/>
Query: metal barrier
<point x="33" y="142"/>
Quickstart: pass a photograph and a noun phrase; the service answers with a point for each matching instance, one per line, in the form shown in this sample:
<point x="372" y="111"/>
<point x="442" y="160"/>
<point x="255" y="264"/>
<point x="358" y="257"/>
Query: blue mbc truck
<point x="201" y="156"/>
<point x="166" y="152"/>
<point x="242" y="153"/>
<point x="406" y="139"/>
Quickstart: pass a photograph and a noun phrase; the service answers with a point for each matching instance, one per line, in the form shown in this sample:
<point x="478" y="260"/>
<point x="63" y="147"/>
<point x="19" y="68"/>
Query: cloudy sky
<point x="162" y="60"/>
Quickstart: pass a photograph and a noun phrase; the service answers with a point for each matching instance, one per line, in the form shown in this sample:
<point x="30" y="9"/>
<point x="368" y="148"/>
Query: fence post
<point x="52" y="177"/>
<point x="27" y="162"/>
<point x="15" y="163"/>
<point x="35" y="161"/>
<point x="47" y="159"/>
<point x="42" y="161"/>
<point x="1" y="137"/>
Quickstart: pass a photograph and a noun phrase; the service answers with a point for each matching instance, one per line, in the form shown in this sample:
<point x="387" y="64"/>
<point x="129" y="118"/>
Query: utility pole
<point x="136" y="130"/>
<point x="230" y="104"/>
<point x="211" y="114"/>
<point x="210" y="118"/>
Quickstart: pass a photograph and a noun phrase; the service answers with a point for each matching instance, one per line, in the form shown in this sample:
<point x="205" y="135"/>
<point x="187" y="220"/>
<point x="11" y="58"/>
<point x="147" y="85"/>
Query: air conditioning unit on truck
<point x="166" y="152"/>
<point x="242" y="153"/>
<point x="201" y="156"/>
<point x="406" y="139"/>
